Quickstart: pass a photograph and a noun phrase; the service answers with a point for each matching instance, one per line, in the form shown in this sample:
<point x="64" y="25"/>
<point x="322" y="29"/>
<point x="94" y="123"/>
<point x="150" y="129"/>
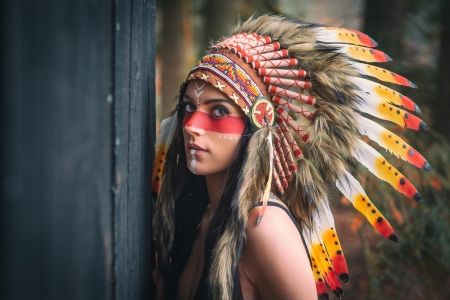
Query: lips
<point x="194" y="147"/>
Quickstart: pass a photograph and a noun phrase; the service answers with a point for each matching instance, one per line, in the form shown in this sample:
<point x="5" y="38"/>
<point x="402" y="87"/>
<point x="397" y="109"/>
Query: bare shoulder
<point x="274" y="257"/>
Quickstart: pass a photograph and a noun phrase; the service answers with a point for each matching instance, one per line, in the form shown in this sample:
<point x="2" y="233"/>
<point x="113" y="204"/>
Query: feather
<point x="287" y="82"/>
<point x="282" y="158"/>
<point x="290" y="106"/>
<point x="321" y="259"/>
<point x="263" y="49"/>
<point x="381" y="168"/>
<point x="385" y="93"/>
<point x="286" y="150"/>
<point x="342" y="35"/>
<point x="267" y="56"/>
<point x="277" y="181"/>
<point x="382" y="74"/>
<point x="363" y="53"/>
<point x="276" y="90"/>
<point x="276" y="63"/>
<point x="372" y="105"/>
<point x="281" y="181"/>
<point x="331" y="241"/>
<point x="244" y="43"/>
<point x="168" y="127"/>
<point x="354" y="192"/>
<point x="291" y="141"/>
<point x="319" y="280"/>
<point x="291" y="122"/>
<point x="287" y="73"/>
<point x="266" y="194"/>
<point x="391" y="142"/>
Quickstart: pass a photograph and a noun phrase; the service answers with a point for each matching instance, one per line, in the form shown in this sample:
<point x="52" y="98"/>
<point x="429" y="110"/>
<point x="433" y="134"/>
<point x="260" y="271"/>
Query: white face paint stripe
<point x="198" y="92"/>
<point x="199" y="87"/>
<point x="192" y="166"/>
<point x="193" y="161"/>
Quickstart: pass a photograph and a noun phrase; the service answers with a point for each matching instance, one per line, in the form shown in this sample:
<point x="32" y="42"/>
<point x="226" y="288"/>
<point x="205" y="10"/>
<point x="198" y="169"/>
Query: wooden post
<point x="134" y="111"/>
<point x="77" y="113"/>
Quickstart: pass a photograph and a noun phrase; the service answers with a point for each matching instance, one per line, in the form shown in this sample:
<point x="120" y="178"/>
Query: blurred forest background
<point x="416" y="34"/>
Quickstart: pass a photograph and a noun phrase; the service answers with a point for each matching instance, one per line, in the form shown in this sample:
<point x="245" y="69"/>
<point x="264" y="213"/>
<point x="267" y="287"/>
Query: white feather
<point x="366" y="155"/>
<point x="374" y="131"/>
<point x="350" y="187"/>
<point x="167" y="131"/>
<point x="369" y="105"/>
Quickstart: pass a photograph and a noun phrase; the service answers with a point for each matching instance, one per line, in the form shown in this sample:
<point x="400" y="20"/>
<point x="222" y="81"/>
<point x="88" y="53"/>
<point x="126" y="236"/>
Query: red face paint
<point x="226" y="124"/>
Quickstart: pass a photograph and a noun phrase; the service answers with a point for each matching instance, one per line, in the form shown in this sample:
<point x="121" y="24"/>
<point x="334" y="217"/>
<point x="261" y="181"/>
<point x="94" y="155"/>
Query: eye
<point x="189" y="107"/>
<point x="220" y="111"/>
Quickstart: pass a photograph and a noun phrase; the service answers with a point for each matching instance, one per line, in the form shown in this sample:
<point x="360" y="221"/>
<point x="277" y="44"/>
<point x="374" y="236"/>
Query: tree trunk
<point x="441" y="109"/>
<point x="384" y="22"/>
<point x="174" y="49"/>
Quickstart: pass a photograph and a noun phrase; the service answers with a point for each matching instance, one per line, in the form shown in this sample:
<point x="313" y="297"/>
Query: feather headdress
<point x="306" y="88"/>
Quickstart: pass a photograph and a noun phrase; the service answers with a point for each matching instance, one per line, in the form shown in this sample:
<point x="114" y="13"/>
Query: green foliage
<point x="419" y="266"/>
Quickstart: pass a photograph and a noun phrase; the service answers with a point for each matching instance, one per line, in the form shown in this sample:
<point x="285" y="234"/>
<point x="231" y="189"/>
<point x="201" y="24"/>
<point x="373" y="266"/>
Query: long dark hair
<point x="190" y="204"/>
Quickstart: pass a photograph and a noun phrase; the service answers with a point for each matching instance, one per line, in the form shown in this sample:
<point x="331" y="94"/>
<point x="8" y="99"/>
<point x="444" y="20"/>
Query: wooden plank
<point x="134" y="138"/>
<point x="78" y="130"/>
<point x="56" y="206"/>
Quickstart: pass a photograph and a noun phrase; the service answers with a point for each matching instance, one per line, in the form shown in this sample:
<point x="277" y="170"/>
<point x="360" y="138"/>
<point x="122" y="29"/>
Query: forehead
<point x="202" y="89"/>
<point x="206" y="93"/>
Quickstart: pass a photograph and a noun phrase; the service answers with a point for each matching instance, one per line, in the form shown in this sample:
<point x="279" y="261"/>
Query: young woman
<point x="274" y="264"/>
<point x="242" y="212"/>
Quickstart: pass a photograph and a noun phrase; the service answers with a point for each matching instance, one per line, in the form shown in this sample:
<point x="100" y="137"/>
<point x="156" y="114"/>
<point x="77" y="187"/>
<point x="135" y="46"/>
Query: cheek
<point x="222" y="148"/>
<point x="224" y="144"/>
<point x="224" y="125"/>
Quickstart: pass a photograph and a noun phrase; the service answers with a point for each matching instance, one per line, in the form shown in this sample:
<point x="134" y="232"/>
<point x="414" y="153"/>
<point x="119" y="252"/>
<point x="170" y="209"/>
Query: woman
<point x="211" y="146"/>
<point x="232" y="159"/>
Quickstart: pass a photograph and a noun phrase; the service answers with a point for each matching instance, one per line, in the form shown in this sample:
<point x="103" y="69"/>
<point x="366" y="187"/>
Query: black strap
<point x="272" y="203"/>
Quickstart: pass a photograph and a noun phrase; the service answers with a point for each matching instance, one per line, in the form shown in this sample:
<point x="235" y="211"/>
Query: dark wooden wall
<point x="77" y="120"/>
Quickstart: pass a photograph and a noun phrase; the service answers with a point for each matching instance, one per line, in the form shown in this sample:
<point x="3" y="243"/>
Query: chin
<point x="205" y="170"/>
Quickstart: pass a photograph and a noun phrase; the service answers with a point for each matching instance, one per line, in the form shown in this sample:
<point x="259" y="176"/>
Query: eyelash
<point x="221" y="108"/>
<point x="186" y="105"/>
<point x="190" y="108"/>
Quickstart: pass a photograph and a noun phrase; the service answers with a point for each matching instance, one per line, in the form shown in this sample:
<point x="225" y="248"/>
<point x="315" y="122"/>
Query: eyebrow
<point x="189" y="98"/>
<point x="209" y="101"/>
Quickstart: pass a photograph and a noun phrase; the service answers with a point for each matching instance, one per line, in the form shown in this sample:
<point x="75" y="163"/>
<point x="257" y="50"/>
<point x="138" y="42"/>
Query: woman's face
<point x="212" y="127"/>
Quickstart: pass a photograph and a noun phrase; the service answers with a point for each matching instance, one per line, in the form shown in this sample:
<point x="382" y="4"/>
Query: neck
<point x="215" y="185"/>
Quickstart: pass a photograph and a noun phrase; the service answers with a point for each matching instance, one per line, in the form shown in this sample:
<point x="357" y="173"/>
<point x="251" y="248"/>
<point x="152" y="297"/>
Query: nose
<point x="194" y="124"/>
